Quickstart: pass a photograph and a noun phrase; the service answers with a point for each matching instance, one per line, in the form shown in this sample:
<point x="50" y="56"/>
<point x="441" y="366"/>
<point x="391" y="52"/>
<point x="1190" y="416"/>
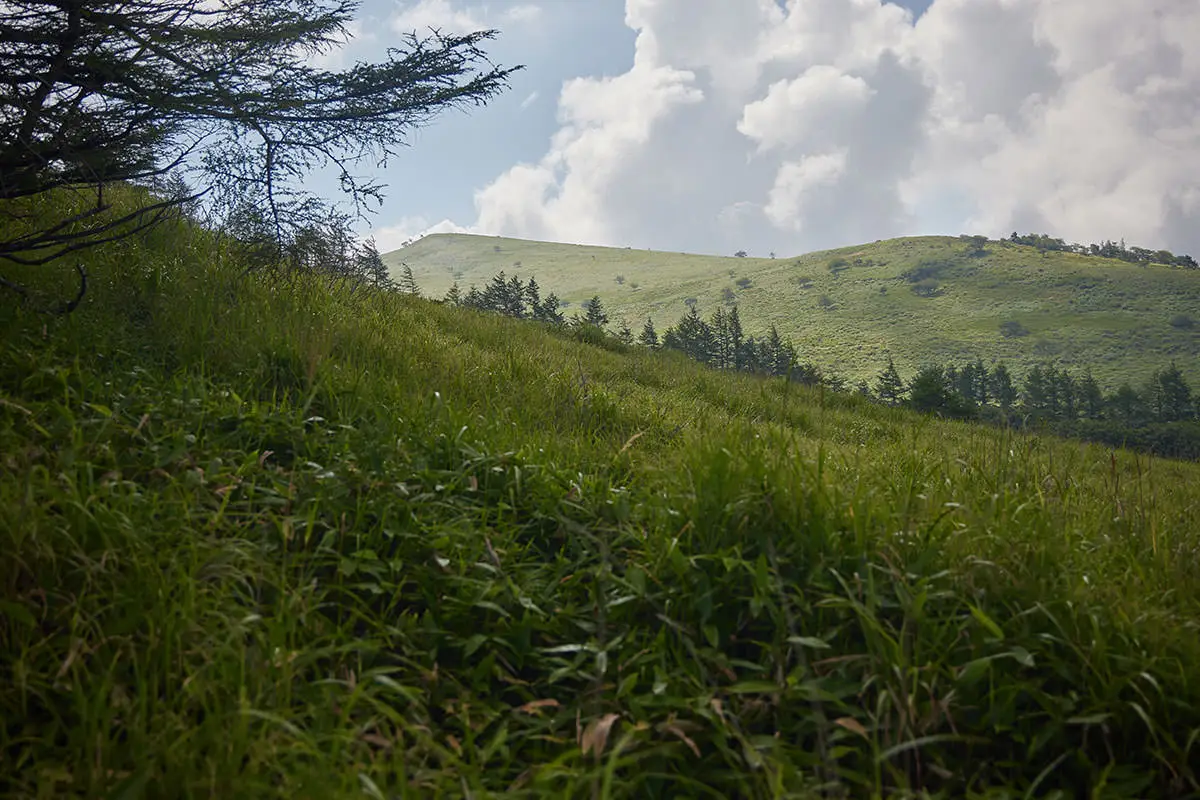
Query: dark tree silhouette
<point x="224" y="96"/>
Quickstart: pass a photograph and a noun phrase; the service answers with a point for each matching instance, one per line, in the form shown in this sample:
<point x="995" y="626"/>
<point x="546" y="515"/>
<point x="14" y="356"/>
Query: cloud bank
<point x="796" y="125"/>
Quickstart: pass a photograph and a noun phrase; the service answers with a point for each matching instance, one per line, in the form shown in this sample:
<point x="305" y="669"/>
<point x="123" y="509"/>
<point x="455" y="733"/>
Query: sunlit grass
<point x="1108" y="316"/>
<point x="295" y="539"/>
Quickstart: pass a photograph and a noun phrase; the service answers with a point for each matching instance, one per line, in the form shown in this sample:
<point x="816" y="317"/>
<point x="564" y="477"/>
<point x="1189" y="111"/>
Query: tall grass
<point x="294" y="538"/>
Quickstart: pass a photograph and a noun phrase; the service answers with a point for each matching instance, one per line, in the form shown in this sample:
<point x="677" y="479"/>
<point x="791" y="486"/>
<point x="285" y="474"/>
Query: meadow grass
<point x="293" y="538"/>
<point x="1083" y="313"/>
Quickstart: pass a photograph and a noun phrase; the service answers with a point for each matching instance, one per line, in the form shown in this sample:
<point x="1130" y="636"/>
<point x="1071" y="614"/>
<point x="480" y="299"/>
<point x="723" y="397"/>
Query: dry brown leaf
<point x="72" y="654"/>
<point x="851" y="724"/>
<point x="595" y="736"/>
<point x="675" y="729"/>
<point x="522" y="780"/>
<point x="535" y="706"/>
<point x="377" y="740"/>
<point x="629" y="443"/>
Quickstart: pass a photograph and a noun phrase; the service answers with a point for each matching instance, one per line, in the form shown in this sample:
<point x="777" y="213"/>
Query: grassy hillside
<point x="298" y="539"/>
<point x="1080" y="312"/>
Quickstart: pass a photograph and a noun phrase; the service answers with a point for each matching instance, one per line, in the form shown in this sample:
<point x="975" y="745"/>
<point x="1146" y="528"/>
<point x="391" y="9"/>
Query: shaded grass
<point x="297" y="539"/>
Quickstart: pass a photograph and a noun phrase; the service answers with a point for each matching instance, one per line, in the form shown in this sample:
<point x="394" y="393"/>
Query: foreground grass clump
<point x="295" y="539"/>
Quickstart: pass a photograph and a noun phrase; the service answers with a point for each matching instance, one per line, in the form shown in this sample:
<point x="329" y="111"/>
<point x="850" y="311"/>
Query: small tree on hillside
<point x="1127" y="406"/>
<point x="1001" y="387"/>
<point x="533" y="296"/>
<point x="625" y="334"/>
<point x="649" y="336"/>
<point x="1091" y="400"/>
<point x="549" y="311"/>
<point x="593" y="312"/>
<point x="889" y="387"/>
<point x="976" y="245"/>
<point x="1169" y="396"/>
<point x="369" y="264"/>
<point x="928" y="390"/>
<point x="407" y="283"/>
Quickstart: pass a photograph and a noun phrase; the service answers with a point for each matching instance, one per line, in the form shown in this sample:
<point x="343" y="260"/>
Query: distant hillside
<point x="918" y="299"/>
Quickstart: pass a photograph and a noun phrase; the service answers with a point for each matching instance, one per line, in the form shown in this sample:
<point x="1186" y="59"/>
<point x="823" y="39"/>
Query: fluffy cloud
<point x="798" y="182"/>
<point x="606" y="123"/>
<point x="393" y="237"/>
<point x="1086" y="122"/>
<point x="450" y="17"/>
<point x="811" y="123"/>
<point x="816" y="109"/>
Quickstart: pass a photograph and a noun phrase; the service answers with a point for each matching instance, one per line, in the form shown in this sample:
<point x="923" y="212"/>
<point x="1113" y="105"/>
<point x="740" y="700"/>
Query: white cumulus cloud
<point x="605" y="124"/>
<point x="452" y="17"/>
<point x="797" y="184"/>
<point x="760" y="124"/>
<point x="1084" y="121"/>
<point x="813" y="109"/>
<point x="408" y="229"/>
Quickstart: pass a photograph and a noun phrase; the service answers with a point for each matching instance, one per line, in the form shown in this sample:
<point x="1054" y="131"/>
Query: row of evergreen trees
<point x="1047" y="394"/>
<point x="511" y="297"/>
<point x="1162" y="416"/>
<point x="719" y="342"/>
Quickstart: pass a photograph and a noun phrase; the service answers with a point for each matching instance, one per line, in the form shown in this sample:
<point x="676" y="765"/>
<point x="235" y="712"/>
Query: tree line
<point x="1106" y="249"/>
<point x="1161" y="416"/>
<point x="719" y="342"/>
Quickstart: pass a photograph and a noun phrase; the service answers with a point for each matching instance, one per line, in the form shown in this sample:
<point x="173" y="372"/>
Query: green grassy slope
<point x="1082" y="312"/>
<point x="301" y="540"/>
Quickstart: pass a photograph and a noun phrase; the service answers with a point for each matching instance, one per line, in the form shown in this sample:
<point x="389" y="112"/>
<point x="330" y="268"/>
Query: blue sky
<point x="713" y="125"/>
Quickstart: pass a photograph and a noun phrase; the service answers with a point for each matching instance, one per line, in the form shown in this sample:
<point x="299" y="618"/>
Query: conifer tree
<point x="495" y="296"/>
<point x="888" y="385"/>
<point x="649" y="336"/>
<point x="549" y="310"/>
<point x="368" y="264"/>
<point x="625" y="334"/>
<point x="1091" y="400"/>
<point x="514" y="298"/>
<point x="594" y="312"/>
<point x="736" y="339"/>
<point x="533" y="296"/>
<point x="1001" y="386"/>
<point x="475" y="299"/>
